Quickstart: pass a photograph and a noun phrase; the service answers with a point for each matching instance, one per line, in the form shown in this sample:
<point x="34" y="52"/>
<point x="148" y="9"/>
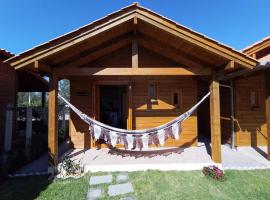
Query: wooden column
<point x="129" y="119"/>
<point x="267" y="106"/>
<point x="215" y="120"/>
<point x="53" y="122"/>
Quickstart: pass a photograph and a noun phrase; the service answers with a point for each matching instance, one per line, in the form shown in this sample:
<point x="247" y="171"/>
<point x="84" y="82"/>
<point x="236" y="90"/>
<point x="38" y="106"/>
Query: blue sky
<point x="27" y="23"/>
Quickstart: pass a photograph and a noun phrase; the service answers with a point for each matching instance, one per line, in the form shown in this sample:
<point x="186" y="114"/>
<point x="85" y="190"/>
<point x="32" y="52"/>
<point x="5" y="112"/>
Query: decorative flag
<point x="97" y="131"/>
<point x="161" y="136"/>
<point x="175" y="130"/>
<point x="113" y="137"/>
<point x="130" y="140"/>
<point x="145" y="141"/>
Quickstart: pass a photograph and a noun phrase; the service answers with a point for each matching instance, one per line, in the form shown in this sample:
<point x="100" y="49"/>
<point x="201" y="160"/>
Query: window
<point x="152" y="92"/>
<point x="254" y="99"/>
<point x="176" y="98"/>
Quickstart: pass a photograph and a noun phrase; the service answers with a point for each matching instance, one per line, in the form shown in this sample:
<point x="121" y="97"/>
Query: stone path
<point x="101" y="186"/>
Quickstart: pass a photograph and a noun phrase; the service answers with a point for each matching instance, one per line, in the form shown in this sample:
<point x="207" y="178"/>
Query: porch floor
<point x="193" y="158"/>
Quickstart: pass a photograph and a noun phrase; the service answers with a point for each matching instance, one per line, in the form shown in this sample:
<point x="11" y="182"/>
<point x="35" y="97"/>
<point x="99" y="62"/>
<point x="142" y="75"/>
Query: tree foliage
<point x="36" y="97"/>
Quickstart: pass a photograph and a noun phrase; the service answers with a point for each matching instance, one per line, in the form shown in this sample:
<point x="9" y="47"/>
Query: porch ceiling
<point x="115" y="31"/>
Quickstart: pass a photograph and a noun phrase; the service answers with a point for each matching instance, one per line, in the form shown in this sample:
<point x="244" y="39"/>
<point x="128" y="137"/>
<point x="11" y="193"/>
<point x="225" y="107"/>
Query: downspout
<point x="232" y="114"/>
<point x="231" y="111"/>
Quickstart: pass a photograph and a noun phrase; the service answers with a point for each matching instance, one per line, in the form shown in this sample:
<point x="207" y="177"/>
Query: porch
<point x="192" y="158"/>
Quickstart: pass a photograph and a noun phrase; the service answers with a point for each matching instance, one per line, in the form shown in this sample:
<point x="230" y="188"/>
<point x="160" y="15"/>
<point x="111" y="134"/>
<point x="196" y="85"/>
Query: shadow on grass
<point x="23" y="187"/>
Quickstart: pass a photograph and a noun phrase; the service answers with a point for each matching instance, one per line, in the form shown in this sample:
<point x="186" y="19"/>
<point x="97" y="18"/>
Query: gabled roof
<point x="5" y="54"/>
<point x="129" y="13"/>
<point x="257" y="46"/>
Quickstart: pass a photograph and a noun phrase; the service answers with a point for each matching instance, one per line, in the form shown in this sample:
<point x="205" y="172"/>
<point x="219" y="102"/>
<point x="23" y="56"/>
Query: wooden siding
<point x="145" y="114"/>
<point x="79" y="130"/>
<point x="250" y="122"/>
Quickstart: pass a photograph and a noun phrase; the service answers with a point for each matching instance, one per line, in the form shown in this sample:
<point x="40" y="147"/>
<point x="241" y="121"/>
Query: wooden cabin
<point x="136" y="69"/>
<point x="251" y="91"/>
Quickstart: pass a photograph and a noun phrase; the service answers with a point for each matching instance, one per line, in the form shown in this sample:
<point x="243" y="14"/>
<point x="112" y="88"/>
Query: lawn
<point x="149" y="185"/>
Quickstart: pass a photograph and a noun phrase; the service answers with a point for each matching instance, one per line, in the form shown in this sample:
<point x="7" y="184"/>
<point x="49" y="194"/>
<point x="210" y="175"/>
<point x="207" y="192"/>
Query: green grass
<point x="253" y="184"/>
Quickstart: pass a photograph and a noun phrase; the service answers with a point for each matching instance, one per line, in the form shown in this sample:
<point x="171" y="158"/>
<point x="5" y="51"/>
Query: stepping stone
<point x="121" y="178"/>
<point x="119" y="189"/>
<point x="94" y="193"/>
<point x="128" y="198"/>
<point x="96" y="180"/>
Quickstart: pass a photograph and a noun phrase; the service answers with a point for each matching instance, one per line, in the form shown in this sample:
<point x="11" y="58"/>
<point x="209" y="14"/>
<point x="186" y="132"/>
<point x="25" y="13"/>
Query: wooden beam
<point x="130" y="110"/>
<point x="230" y="66"/>
<point x="96" y="52"/>
<point x="189" y="36"/>
<point x="267" y="106"/>
<point x="78" y="39"/>
<point x="254" y="56"/>
<point x="41" y="65"/>
<point x="135" y="56"/>
<point x="171" y="53"/>
<point x="215" y="120"/>
<point x="53" y="121"/>
<point x="89" y="71"/>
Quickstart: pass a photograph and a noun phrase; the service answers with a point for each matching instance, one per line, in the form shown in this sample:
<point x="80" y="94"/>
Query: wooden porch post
<point x="215" y="120"/>
<point x="267" y="106"/>
<point x="53" y="122"/>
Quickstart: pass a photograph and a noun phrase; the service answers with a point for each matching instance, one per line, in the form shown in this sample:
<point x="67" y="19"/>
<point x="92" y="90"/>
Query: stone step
<point x="120" y="189"/>
<point x="96" y="180"/>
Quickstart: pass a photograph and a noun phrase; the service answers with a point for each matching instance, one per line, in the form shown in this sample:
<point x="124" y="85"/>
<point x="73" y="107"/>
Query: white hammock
<point x="132" y="139"/>
<point x="98" y="126"/>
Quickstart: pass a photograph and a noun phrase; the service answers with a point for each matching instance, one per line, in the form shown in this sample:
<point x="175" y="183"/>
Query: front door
<point x="113" y="105"/>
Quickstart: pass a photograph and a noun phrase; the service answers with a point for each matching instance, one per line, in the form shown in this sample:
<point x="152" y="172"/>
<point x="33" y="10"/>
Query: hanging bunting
<point x="161" y="136"/>
<point x="130" y="140"/>
<point x="113" y="137"/>
<point x="175" y="130"/>
<point x="97" y="131"/>
<point x="145" y="141"/>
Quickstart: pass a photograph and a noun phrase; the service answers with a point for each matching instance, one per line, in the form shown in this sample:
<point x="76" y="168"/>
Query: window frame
<point x="257" y="104"/>
<point x="179" y="105"/>
<point x="155" y="98"/>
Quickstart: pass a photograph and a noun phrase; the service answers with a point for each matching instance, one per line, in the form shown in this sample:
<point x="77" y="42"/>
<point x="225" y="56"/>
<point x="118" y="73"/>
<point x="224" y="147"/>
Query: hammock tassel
<point x="175" y="130"/>
<point x="130" y="140"/>
<point x="145" y="141"/>
<point x="97" y="131"/>
<point x="113" y="137"/>
<point x="161" y="136"/>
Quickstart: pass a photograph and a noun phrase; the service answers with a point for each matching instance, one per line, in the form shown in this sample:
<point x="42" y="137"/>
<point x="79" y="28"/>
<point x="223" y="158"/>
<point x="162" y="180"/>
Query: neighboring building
<point x="7" y="89"/>
<point x="252" y="90"/>
<point x="142" y="69"/>
<point x="11" y="83"/>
